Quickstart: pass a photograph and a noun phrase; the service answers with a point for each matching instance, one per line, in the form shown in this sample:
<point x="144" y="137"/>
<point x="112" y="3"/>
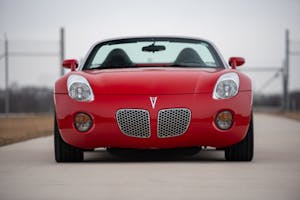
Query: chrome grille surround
<point x="134" y="122"/>
<point x="173" y="122"/>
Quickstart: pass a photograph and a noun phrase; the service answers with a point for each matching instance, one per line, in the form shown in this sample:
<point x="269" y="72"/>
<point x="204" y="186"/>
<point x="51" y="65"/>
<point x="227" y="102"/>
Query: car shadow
<point x="156" y="157"/>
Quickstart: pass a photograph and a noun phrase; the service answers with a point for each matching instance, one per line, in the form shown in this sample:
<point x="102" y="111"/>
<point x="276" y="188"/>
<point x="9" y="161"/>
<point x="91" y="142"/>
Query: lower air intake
<point x="173" y="122"/>
<point x="134" y="122"/>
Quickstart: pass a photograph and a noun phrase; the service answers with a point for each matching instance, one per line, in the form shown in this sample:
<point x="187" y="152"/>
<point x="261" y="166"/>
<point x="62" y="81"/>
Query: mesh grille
<point x="134" y="122"/>
<point x="173" y="122"/>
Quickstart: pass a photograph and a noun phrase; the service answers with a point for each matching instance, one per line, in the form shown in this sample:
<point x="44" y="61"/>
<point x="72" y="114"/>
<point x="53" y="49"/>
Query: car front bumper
<point x="201" y="131"/>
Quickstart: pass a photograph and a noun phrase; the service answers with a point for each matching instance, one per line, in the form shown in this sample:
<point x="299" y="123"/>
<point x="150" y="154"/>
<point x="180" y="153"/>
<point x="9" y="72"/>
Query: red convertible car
<point x="151" y="93"/>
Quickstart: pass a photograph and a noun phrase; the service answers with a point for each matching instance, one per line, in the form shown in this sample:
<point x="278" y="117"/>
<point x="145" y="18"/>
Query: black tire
<point x="242" y="151"/>
<point x="63" y="151"/>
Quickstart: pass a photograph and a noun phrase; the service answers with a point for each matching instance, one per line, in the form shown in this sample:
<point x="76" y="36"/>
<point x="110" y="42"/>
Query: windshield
<point x="153" y="52"/>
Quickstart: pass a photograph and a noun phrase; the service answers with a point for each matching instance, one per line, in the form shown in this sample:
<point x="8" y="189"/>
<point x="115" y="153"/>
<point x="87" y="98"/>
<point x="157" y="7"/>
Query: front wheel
<point x="242" y="151"/>
<point x="63" y="151"/>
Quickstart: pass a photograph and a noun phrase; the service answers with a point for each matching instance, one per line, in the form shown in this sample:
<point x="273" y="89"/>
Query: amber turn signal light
<point x="83" y="122"/>
<point x="224" y="120"/>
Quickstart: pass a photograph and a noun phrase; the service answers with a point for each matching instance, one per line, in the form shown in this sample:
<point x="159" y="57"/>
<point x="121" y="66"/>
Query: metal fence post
<point x="286" y="72"/>
<point x="62" y="50"/>
<point x="6" y="75"/>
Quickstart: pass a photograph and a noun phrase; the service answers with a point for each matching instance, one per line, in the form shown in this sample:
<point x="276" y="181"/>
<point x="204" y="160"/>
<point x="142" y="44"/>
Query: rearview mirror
<point x="153" y="48"/>
<point x="236" y="61"/>
<point x="70" y="64"/>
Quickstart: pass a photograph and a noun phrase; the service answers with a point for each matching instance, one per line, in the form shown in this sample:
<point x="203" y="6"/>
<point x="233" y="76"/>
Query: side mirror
<point x="70" y="64"/>
<point x="236" y="61"/>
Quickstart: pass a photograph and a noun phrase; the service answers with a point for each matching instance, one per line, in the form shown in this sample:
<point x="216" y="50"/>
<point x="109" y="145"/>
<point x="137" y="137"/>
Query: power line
<point x="262" y="68"/>
<point x="35" y="41"/>
<point x="33" y="54"/>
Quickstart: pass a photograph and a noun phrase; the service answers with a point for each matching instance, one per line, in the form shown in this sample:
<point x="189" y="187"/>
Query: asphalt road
<point x="28" y="171"/>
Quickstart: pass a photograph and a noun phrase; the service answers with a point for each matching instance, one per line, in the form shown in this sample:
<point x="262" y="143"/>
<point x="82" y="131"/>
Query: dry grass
<point x="22" y="127"/>
<point x="292" y="115"/>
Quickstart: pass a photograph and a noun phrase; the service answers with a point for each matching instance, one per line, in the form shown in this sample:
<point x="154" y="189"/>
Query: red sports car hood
<point x="152" y="80"/>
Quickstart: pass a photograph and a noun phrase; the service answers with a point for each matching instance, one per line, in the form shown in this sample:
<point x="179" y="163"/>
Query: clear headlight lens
<point x="79" y="88"/>
<point x="227" y="86"/>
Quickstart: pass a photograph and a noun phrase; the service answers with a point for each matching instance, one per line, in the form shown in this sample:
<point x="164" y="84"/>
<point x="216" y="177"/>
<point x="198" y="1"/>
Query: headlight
<point x="79" y="88"/>
<point x="227" y="86"/>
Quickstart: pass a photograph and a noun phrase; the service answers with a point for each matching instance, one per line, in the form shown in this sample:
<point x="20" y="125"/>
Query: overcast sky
<point x="252" y="29"/>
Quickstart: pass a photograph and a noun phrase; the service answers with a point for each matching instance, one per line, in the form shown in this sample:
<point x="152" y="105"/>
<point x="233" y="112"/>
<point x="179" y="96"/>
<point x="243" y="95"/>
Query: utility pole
<point x="62" y="50"/>
<point x="6" y="75"/>
<point x="286" y="72"/>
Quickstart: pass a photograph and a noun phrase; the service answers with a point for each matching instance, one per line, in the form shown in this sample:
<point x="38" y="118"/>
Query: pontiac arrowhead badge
<point x="153" y="101"/>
